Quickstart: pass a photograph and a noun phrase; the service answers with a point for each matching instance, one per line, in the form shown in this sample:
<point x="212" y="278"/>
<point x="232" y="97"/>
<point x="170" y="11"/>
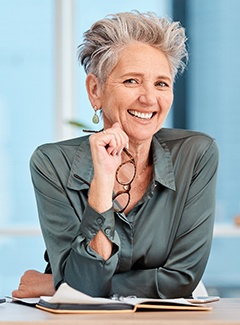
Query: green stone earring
<point x="95" y="118"/>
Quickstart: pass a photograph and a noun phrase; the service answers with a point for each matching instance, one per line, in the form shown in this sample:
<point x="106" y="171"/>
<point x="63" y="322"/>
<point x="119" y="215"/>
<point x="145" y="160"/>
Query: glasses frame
<point x="126" y="185"/>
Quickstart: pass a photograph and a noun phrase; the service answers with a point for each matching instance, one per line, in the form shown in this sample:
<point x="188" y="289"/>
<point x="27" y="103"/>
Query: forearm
<point x="100" y="198"/>
<point x="100" y="193"/>
<point x="86" y="270"/>
<point x="140" y="283"/>
<point x="89" y="273"/>
<point x="101" y="245"/>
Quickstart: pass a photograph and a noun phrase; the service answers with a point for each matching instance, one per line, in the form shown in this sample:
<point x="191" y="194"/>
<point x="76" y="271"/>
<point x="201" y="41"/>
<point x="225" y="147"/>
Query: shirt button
<point x="107" y="231"/>
<point x="99" y="221"/>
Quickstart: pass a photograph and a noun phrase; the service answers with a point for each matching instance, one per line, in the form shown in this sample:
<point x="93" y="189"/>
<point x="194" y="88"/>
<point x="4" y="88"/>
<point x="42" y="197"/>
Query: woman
<point x="129" y="209"/>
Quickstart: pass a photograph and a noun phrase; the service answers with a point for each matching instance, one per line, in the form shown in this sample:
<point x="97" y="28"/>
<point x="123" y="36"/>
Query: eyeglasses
<point x="130" y="166"/>
<point x="124" y="176"/>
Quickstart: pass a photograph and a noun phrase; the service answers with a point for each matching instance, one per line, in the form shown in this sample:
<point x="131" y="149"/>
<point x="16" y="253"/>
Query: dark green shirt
<point x="160" y="248"/>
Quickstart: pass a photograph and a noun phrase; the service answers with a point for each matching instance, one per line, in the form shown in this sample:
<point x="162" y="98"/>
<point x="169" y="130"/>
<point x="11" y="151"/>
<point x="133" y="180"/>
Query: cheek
<point x="169" y="103"/>
<point x="165" y="102"/>
<point x="169" y="98"/>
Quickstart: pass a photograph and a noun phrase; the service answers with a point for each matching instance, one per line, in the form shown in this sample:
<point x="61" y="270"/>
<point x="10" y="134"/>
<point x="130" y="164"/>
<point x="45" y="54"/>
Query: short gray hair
<point x="107" y="37"/>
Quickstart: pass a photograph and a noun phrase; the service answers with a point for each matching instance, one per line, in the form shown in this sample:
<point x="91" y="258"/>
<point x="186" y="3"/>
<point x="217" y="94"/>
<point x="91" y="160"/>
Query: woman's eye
<point x="162" y="84"/>
<point x="130" y="81"/>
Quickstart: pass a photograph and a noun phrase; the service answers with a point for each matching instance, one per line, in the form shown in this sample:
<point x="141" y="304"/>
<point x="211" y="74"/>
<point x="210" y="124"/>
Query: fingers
<point x="116" y="139"/>
<point x="26" y="284"/>
<point x="15" y="293"/>
<point x="34" y="284"/>
<point x="23" y="292"/>
<point x="30" y="277"/>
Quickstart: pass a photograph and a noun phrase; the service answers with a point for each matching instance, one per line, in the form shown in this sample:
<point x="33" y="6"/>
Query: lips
<point x="144" y="116"/>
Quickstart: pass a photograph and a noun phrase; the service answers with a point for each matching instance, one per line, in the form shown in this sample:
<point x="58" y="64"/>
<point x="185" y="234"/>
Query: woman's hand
<point x="34" y="284"/>
<point x="106" y="148"/>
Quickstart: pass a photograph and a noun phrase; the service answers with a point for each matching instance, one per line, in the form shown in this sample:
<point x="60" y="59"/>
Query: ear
<point x="94" y="90"/>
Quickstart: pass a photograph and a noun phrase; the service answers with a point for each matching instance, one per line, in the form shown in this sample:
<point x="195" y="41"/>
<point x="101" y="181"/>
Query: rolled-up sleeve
<point x="85" y="270"/>
<point x="67" y="229"/>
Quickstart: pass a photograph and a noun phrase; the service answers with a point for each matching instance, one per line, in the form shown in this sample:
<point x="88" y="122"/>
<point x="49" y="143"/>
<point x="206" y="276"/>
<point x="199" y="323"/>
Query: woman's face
<point x="138" y="92"/>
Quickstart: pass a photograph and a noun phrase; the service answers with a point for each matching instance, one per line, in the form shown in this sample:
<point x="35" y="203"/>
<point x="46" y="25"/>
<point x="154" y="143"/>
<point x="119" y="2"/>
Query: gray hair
<point x="107" y="37"/>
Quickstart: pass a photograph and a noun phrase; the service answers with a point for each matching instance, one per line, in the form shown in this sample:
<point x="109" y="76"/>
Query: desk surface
<point x="226" y="311"/>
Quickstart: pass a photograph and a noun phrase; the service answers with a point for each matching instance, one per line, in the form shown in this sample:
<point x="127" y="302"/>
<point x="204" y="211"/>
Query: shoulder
<point x="187" y="142"/>
<point x="66" y="149"/>
<point x="180" y="136"/>
<point x="168" y="134"/>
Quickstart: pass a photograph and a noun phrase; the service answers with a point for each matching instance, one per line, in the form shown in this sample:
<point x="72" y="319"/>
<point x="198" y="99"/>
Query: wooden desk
<point x="226" y="311"/>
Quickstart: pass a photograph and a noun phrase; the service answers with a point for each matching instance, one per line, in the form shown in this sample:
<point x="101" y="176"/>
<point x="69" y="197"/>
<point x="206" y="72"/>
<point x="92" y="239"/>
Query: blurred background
<point x="42" y="88"/>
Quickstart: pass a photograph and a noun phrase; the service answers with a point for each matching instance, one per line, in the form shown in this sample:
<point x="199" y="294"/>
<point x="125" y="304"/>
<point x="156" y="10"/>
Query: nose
<point x="148" y="96"/>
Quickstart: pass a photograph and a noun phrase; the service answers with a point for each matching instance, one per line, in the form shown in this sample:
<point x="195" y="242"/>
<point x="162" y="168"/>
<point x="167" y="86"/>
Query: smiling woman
<point x="139" y="85"/>
<point x="157" y="243"/>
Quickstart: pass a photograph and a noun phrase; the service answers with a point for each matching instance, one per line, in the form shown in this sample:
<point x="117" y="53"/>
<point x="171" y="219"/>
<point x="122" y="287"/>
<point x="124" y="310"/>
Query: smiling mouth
<point x="143" y="116"/>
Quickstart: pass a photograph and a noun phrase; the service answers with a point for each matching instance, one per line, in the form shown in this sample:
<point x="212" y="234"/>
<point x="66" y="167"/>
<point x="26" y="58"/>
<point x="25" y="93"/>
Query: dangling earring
<point x="95" y="118"/>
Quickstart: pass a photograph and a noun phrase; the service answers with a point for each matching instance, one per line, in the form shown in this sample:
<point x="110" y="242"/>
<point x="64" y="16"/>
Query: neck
<point x="141" y="154"/>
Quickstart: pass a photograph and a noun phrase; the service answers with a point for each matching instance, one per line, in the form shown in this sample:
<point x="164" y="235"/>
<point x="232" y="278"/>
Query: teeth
<point x="141" y="115"/>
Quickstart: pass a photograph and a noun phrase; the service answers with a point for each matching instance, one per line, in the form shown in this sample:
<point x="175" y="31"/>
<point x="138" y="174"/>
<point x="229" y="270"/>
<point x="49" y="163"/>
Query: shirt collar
<point x="162" y="162"/>
<point x="81" y="172"/>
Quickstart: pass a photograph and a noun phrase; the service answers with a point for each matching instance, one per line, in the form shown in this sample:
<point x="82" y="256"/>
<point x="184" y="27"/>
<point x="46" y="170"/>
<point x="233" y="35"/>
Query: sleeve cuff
<point x="93" y="221"/>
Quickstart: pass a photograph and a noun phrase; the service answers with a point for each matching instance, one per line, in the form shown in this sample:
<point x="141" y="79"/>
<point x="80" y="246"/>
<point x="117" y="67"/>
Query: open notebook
<point x="69" y="300"/>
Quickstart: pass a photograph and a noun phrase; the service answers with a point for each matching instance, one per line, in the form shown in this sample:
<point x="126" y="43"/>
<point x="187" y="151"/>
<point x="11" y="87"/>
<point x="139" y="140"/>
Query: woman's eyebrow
<point x="137" y="73"/>
<point x="140" y="74"/>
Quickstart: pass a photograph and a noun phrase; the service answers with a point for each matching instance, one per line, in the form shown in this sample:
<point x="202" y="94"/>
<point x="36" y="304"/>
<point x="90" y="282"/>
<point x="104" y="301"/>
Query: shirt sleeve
<point x="190" y="250"/>
<point x="67" y="232"/>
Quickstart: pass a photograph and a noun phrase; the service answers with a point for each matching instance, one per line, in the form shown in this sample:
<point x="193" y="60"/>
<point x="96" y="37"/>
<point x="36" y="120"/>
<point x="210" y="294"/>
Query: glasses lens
<point x="121" y="201"/>
<point x="125" y="173"/>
